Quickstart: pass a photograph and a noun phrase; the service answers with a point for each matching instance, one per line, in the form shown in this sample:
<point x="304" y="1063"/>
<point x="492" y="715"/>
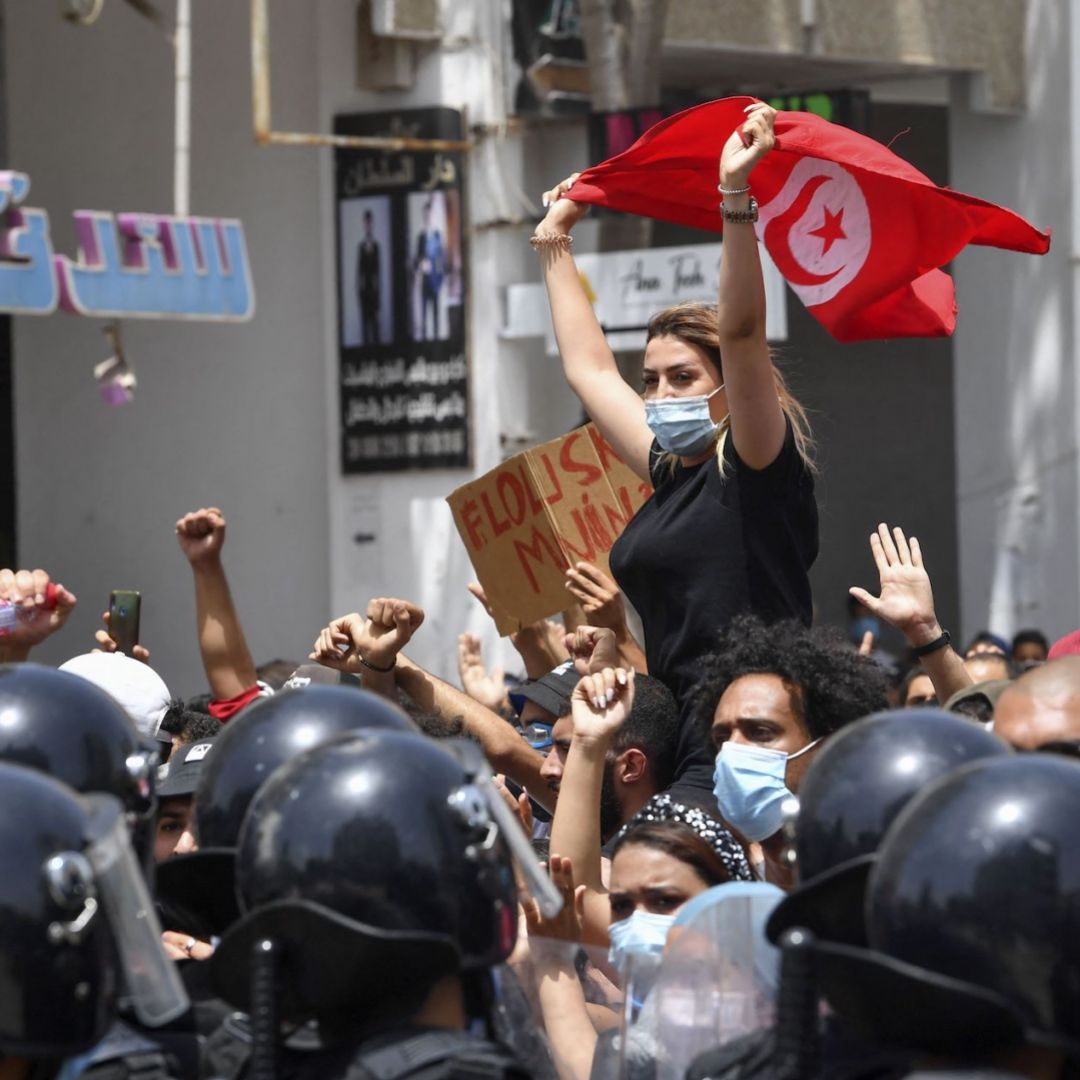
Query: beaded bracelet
<point x="732" y="191"/>
<point x="552" y="239"/>
<point x="374" y="667"/>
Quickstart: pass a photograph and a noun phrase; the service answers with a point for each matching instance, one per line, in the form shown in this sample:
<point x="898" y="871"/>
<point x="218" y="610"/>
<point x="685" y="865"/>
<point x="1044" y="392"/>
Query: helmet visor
<point x="539" y="884"/>
<point x="153" y="986"/>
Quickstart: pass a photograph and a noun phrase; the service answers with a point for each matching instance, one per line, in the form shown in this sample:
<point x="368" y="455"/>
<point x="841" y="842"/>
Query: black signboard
<point x="404" y="375"/>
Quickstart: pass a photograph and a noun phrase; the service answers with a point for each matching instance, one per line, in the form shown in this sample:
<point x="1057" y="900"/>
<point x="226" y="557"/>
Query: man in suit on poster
<point x="367" y="282"/>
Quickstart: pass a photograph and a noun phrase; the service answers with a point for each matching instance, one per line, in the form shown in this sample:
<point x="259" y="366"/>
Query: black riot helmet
<point x="858" y="783"/>
<point x="67" y="727"/>
<point x="264" y="736"/>
<point x="376" y="865"/>
<point x="269" y="733"/>
<point x="77" y="927"/>
<point x="978" y="882"/>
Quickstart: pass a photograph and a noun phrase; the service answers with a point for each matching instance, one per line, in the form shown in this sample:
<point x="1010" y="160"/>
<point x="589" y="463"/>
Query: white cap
<point x="134" y="685"/>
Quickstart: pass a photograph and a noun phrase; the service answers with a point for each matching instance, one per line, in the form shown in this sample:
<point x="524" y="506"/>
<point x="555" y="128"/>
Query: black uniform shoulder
<point x="430" y="1054"/>
<point x="125" y="1053"/>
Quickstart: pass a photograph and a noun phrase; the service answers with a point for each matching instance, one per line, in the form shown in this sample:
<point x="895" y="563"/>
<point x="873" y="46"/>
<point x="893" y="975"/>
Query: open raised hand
<point x="906" y="598"/>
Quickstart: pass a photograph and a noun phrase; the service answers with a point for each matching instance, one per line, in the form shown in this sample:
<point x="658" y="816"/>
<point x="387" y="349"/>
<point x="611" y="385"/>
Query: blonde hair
<point x="697" y="324"/>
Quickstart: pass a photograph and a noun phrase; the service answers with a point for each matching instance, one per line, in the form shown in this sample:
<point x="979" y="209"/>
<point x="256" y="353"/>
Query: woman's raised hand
<point x="562" y="213"/>
<point x="747" y="145"/>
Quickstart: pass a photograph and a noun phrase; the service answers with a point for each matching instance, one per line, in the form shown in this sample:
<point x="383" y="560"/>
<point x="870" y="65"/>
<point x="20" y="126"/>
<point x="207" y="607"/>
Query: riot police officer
<point x="198" y="888"/>
<point x="851" y="795"/>
<point x="971" y="915"/>
<point x="862" y="779"/>
<point x="376" y="879"/>
<point x="65" y="726"/>
<point x="78" y="933"/>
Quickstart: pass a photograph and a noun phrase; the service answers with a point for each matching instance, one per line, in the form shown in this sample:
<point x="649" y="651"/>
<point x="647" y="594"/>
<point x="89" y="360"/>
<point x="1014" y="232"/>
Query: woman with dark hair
<point x="657" y="868"/>
<point x="665" y="856"/>
<point x="732" y="525"/>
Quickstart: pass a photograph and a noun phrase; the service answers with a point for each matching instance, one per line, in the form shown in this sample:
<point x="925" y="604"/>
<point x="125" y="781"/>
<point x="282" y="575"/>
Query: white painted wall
<point x="1015" y="354"/>
<point x="419" y="554"/>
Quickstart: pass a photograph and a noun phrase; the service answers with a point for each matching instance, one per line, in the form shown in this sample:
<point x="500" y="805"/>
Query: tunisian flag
<point x="856" y="231"/>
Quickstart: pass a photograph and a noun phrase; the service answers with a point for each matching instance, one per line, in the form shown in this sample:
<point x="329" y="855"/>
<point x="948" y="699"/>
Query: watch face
<point x="83" y="12"/>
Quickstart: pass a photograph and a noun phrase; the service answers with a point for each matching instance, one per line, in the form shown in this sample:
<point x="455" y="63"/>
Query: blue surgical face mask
<point x="749" y="783"/>
<point x="643" y="932"/>
<point x="682" y="425"/>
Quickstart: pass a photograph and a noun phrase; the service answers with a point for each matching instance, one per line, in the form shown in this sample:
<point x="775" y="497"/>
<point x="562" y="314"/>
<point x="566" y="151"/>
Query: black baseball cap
<point x="180" y="774"/>
<point x="551" y="691"/>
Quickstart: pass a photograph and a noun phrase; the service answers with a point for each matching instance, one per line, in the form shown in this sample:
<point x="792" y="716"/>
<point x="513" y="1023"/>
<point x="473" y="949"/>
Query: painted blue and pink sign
<point x="129" y="265"/>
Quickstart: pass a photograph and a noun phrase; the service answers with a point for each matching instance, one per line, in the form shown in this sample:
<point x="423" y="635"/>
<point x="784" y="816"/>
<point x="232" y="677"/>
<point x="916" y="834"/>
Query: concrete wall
<point x="232" y="415"/>
<point x="984" y="36"/>
<point x="245" y="417"/>
<point x="1015" y="350"/>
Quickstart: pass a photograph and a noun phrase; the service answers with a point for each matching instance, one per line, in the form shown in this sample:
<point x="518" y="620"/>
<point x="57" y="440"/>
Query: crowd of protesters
<point x="741" y="846"/>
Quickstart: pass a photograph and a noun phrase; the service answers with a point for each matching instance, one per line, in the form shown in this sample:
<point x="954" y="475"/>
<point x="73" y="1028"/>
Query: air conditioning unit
<point x="415" y="20"/>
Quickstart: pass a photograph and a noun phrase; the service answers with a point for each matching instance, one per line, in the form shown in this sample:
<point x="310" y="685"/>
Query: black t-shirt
<point x="705" y="548"/>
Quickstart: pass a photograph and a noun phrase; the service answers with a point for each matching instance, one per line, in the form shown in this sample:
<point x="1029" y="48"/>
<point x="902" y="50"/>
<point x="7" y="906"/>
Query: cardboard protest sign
<point x="540" y="511"/>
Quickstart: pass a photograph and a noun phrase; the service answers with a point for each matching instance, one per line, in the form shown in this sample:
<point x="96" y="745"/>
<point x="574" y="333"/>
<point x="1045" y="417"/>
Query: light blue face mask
<point x="643" y="932"/>
<point x="750" y="788"/>
<point x="682" y="425"/>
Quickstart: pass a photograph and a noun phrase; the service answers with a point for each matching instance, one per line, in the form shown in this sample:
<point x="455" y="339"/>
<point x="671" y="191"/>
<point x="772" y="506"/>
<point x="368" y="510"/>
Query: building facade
<point x="970" y="443"/>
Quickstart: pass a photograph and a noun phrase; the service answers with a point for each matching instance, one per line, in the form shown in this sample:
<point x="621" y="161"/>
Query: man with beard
<point x="622" y="773"/>
<point x="640" y="761"/>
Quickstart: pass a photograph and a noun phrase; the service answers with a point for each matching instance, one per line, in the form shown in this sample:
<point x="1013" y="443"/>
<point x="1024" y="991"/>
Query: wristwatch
<point x="741" y="217"/>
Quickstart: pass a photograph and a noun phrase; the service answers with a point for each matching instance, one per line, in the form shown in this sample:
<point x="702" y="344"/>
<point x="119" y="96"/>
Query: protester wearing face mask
<point x="770" y="696"/>
<point x="732" y="526"/>
<point x="665" y="856"/>
<point x="658" y="867"/>
<point x="614" y="753"/>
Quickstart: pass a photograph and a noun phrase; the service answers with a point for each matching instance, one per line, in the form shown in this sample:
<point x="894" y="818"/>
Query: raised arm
<point x="539" y="644"/>
<point x="503" y="746"/>
<point x="230" y="671"/>
<point x="553" y="950"/>
<point x="907" y="602"/>
<point x="600" y="705"/>
<point x="757" y="420"/>
<point x="587" y="361"/>
<point x="367" y="646"/>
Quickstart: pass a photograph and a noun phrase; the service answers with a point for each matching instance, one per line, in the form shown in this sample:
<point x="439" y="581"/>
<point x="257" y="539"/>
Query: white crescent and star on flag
<point x="817" y="229"/>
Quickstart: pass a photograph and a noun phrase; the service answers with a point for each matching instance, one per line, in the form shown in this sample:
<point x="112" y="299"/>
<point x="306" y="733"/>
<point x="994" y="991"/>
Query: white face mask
<point x="682" y="425"/>
<point x="750" y="785"/>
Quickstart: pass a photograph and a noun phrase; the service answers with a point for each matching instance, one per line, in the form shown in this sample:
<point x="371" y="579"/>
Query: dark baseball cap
<point x="551" y="691"/>
<point x="180" y="774"/>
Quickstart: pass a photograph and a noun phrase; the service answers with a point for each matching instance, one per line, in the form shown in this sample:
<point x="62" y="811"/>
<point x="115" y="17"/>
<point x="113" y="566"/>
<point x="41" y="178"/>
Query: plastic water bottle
<point x="11" y="614"/>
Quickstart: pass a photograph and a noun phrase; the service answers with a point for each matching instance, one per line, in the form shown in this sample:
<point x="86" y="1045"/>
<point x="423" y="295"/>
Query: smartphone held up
<point x="124" y="611"/>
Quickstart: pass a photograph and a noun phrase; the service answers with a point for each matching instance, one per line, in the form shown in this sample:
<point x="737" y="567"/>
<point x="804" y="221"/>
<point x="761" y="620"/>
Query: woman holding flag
<point x="732" y="525"/>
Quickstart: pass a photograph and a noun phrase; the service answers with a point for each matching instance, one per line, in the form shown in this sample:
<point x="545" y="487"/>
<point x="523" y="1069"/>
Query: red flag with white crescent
<point x="857" y="232"/>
